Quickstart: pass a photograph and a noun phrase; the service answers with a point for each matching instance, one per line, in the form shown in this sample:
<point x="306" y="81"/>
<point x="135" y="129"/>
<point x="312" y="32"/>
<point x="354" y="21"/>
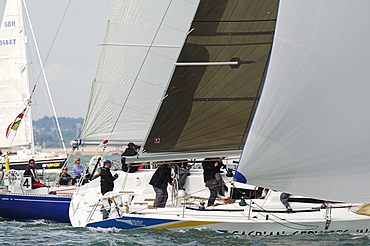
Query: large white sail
<point x="14" y="86"/>
<point x="311" y="133"/>
<point x="141" y="45"/>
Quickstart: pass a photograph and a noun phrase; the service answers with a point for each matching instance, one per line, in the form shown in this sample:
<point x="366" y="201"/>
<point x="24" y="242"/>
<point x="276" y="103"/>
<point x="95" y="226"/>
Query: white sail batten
<point x="311" y="132"/>
<point x="14" y="84"/>
<point x="131" y="78"/>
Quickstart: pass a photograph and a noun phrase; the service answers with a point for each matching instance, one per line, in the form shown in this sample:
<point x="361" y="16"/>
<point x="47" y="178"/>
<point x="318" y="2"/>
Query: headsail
<point x="311" y="132"/>
<point x="14" y="85"/>
<point x="209" y="107"/>
<point x="136" y="62"/>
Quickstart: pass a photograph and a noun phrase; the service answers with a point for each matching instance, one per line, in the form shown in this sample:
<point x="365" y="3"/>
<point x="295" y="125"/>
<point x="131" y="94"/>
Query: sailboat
<point x="309" y="135"/>
<point x="15" y="96"/>
<point x="17" y="199"/>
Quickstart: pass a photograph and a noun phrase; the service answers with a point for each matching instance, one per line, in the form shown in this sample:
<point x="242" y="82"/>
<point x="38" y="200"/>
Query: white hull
<point x="344" y="221"/>
<point x="265" y="217"/>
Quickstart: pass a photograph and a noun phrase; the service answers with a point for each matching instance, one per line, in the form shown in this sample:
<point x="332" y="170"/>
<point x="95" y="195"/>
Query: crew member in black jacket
<point x="131" y="150"/>
<point x="30" y="171"/>
<point x="211" y="166"/>
<point x="106" y="178"/>
<point x="159" y="181"/>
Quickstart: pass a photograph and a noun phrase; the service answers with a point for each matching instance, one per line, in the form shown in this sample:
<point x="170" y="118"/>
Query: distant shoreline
<point x="88" y="150"/>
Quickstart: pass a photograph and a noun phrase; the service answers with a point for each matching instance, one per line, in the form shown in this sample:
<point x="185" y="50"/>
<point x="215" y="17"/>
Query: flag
<point x="15" y="124"/>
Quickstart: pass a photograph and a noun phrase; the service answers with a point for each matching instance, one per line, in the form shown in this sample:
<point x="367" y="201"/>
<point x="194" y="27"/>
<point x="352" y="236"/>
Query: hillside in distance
<point x="46" y="132"/>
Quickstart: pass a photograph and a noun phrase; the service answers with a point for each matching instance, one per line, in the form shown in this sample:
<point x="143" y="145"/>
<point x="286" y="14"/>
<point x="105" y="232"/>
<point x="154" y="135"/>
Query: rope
<point x="308" y="227"/>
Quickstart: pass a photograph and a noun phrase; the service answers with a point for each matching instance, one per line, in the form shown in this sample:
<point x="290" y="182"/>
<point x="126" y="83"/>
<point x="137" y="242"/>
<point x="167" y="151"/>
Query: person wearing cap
<point x="106" y="177"/>
<point x="131" y="150"/>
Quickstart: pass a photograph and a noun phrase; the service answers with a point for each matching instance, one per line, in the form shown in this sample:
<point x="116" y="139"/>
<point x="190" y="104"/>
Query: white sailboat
<point x="306" y="139"/>
<point x="15" y="95"/>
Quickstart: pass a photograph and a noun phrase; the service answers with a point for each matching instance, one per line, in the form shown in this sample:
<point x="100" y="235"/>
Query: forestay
<point x="311" y="132"/>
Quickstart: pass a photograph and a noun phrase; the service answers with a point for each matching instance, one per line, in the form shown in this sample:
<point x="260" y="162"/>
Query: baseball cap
<point x="131" y="144"/>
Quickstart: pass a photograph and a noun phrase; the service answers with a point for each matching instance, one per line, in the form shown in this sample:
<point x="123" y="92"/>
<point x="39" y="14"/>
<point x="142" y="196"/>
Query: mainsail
<point x="311" y="132"/>
<point x="14" y="85"/>
<point x="142" y="42"/>
<point x="216" y="85"/>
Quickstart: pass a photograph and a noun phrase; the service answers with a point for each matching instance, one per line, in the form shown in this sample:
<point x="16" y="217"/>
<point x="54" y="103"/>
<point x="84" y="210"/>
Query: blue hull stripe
<point x="21" y="207"/>
<point x="130" y="223"/>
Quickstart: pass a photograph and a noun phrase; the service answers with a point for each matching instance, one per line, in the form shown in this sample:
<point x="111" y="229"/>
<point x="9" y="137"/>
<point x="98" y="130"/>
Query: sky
<point x="72" y="61"/>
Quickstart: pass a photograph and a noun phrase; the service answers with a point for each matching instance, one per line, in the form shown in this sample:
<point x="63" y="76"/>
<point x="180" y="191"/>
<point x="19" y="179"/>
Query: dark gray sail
<point x="210" y="107"/>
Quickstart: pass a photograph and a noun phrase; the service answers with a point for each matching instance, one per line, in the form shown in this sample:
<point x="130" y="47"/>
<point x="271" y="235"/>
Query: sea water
<point x="42" y="232"/>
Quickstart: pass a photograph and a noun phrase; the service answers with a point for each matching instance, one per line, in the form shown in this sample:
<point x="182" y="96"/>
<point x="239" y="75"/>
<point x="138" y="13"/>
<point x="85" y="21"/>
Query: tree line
<point x="46" y="132"/>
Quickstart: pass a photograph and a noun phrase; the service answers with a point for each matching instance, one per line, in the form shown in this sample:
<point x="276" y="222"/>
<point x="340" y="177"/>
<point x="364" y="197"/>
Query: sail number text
<point x="9" y="23"/>
<point x="7" y="41"/>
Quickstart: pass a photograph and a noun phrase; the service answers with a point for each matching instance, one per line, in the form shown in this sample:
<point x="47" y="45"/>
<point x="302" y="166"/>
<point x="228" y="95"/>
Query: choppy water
<point x="41" y="232"/>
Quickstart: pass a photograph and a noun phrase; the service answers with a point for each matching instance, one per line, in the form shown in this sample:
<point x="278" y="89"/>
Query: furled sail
<point x="216" y="85"/>
<point x="142" y="42"/>
<point x="14" y="85"/>
<point x="311" y="132"/>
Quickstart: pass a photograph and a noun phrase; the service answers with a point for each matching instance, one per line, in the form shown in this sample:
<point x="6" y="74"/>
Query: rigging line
<point x="125" y="179"/>
<point x="43" y="64"/>
<point x="56" y="33"/>
<point x="312" y="227"/>
<point x="281" y="219"/>
<point x="141" y="67"/>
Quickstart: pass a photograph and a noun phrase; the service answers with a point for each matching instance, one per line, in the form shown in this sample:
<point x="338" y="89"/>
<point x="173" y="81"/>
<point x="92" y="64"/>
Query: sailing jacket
<point x="129" y="152"/>
<point x="30" y="172"/>
<point x="161" y="177"/>
<point x="209" y="169"/>
<point x="106" y="180"/>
